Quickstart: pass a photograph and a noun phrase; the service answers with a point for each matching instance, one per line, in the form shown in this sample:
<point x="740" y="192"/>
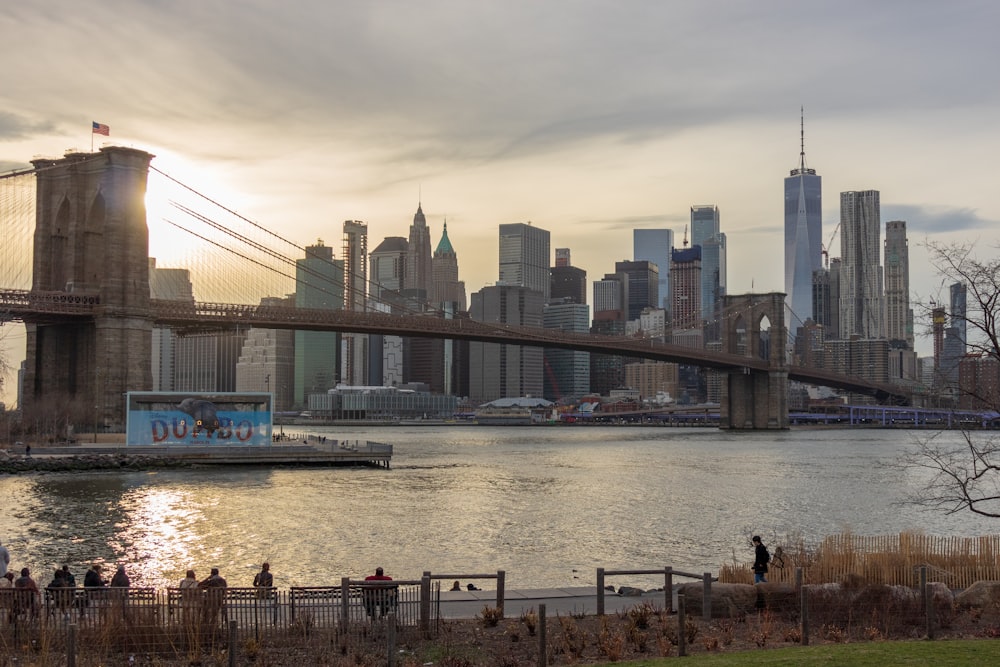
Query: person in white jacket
<point x="4" y="559"/>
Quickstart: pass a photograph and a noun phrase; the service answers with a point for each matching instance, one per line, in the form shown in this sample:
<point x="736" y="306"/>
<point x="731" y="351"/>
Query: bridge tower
<point x="754" y="326"/>
<point x="91" y="239"/>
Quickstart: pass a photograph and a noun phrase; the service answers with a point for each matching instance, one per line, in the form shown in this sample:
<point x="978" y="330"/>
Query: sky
<point x="586" y="118"/>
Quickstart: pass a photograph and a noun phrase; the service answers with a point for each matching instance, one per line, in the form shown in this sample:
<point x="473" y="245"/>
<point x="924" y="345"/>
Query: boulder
<point x="979" y="595"/>
<point x="630" y="591"/>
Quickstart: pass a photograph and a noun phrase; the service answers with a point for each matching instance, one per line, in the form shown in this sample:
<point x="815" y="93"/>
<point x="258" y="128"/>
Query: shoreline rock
<point x="87" y="462"/>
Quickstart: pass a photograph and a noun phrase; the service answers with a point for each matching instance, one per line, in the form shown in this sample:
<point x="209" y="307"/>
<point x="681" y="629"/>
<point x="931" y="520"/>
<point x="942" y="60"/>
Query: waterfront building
<point x="643" y="282"/>
<point x="655" y="245"/>
<point x="652" y="378"/>
<point x="319" y="281"/>
<point x="822" y="313"/>
<point x="383" y="404"/>
<point x="525" y="257"/>
<point x="898" y="315"/>
<point x="497" y="370"/>
<point x="866" y="358"/>
<point x="419" y="279"/>
<point x="979" y="382"/>
<point x="267" y="360"/>
<point x="862" y="305"/>
<point x="803" y="230"/>
<point x="567" y="372"/>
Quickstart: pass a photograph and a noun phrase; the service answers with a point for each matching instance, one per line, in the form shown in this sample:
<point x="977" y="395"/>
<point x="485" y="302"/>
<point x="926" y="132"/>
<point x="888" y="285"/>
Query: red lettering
<point x="159" y="430"/>
<point x="244" y="431"/>
<point x="225" y="430"/>
<point x="180" y="429"/>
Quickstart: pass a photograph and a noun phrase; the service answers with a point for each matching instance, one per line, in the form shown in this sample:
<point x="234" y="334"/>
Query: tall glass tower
<point x="803" y="230"/>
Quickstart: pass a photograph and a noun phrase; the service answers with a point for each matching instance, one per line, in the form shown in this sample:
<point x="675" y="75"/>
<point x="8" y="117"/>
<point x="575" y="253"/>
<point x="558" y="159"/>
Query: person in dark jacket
<point x="761" y="557"/>
<point x="93" y="577"/>
<point x="120" y="580"/>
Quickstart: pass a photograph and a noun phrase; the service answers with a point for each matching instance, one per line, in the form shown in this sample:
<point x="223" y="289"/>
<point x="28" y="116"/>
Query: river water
<point x="548" y="505"/>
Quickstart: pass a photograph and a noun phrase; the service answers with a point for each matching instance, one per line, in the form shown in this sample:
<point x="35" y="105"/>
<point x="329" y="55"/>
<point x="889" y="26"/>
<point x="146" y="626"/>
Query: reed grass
<point x="880" y="559"/>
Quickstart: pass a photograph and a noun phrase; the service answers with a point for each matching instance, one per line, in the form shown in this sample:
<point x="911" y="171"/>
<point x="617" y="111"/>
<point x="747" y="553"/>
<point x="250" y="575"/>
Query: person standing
<point x="189" y="596"/>
<point x="4" y="559"/>
<point x="92" y="579"/>
<point x="760" y="560"/>
<point x="380" y="597"/>
<point x="215" y="595"/>
<point x="26" y="594"/>
<point x="68" y="576"/>
<point x="120" y="579"/>
<point x="264" y="579"/>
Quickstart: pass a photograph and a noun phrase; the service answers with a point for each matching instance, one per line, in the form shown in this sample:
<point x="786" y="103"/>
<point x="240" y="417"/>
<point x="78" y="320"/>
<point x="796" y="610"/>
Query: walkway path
<point x="563" y="601"/>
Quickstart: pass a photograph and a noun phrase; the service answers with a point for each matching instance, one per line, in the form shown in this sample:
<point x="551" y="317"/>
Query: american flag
<point x="101" y="128"/>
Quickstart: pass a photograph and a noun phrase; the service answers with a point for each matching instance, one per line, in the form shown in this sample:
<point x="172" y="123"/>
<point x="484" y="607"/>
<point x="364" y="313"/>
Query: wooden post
<point x="668" y="589"/>
<point x="798" y="579"/>
<point x="232" y="643"/>
<point x="681" y="639"/>
<point x="71" y="646"/>
<point x="345" y="601"/>
<point x="425" y="605"/>
<point x="501" y="584"/>
<point x="543" y="654"/>
<point x="600" y="591"/>
<point x="706" y="595"/>
<point x="928" y="600"/>
<point x="804" y="615"/>
<point x="390" y="639"/>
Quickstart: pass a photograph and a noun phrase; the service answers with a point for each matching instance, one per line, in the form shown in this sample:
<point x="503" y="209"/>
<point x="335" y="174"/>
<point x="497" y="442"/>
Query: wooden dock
<point x="312" y="452"/>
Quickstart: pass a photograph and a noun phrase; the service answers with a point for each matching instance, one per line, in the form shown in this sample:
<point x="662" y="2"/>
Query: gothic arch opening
<point x="92" y="259"/>
<point x="764" y="337"/>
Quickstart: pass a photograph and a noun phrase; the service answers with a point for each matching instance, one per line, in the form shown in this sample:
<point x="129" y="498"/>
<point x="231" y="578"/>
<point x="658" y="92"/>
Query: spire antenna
<point x="802" y="138"/>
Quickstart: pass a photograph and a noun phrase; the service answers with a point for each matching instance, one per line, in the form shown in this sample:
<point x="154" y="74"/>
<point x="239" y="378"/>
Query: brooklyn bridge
<point x="76" y="274"/>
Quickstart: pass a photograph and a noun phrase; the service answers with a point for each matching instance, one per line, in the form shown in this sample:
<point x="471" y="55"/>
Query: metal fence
<point x="356" y="615"/>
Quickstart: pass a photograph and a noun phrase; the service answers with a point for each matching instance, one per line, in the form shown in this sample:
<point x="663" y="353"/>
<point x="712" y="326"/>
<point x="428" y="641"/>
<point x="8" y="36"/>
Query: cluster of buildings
<point x="849" y="314"/>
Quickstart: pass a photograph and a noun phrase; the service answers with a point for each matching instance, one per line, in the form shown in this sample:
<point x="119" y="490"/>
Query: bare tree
<point x="965" y="476"/>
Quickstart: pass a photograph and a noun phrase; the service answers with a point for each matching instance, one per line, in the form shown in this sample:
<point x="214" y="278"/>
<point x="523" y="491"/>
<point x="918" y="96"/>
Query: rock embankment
<point x="13" y="463"/>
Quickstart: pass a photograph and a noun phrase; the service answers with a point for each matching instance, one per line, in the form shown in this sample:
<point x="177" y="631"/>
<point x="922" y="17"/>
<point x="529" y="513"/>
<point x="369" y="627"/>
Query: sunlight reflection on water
<point x="549" y="505"/>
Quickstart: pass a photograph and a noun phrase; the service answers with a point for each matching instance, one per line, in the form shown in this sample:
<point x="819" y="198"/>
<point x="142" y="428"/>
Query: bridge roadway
<point x="52" y="307"/>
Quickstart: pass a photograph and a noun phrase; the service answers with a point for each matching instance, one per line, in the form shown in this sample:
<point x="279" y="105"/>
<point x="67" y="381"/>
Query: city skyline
<point x="593" y="121"/>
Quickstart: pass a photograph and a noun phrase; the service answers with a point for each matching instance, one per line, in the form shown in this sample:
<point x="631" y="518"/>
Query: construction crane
<point x="826" y="248"/>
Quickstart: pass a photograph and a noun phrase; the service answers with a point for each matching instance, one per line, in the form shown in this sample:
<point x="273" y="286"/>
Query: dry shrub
<point x="637" y="637"/>
<point x="530" y="620"/>
<point x="710" y="642"/>
<point x="641" y="614"/>
<point x="610" y="641"/>
<point x="792" y="634"/>
<point x="727" y="632"/>
<point x="490" y="616"/>
<point x="833" y="633"/>
<point x="573" y="641"/>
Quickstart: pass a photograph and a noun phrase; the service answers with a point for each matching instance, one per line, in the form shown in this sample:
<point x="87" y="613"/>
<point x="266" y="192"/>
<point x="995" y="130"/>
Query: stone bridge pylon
<point x="91" y="239"/>
<point x="754" y="327"/>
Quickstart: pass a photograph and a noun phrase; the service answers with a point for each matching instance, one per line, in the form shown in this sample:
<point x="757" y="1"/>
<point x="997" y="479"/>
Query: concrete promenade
<point x="576" y="600"/>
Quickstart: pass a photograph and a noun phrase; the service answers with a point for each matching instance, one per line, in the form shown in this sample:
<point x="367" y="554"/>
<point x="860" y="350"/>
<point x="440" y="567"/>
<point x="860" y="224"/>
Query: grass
<point x="952" y="653"/>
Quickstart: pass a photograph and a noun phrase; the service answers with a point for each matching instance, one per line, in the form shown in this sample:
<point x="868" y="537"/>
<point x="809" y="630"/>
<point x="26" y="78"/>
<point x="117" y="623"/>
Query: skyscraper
<point x="567" y="281"/>
<point x="319" y="280"/>
<point x="419" y="270"/>
<point x="355" y="352"/>
<point x="643" y="286"/>
<point x="525" y="257"/>
<point x="704" y="223"/>
<point x="654" y="245"/>
<point x="861" y="296"/>
<point x="447" y="287"/>
<point x="496" y="370"/>
<point x="898" y="315"/>
<point x="803" y="230"/>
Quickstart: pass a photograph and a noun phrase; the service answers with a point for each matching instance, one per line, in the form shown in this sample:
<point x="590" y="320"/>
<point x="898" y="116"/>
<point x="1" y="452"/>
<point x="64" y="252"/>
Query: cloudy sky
<point x="586" y="118"/>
